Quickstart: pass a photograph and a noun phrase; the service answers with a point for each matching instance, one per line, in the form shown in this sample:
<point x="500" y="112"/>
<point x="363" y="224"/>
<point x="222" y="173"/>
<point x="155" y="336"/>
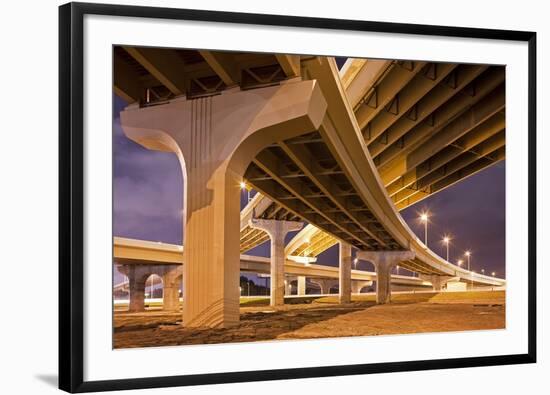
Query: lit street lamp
<point x="460" y="262"/>
<point x="244" y="188"/>
<point x="424" y="219"/>
<point x="446" y="241"/>
<point x="493" y="274"/>
<point x="468" y="254"/>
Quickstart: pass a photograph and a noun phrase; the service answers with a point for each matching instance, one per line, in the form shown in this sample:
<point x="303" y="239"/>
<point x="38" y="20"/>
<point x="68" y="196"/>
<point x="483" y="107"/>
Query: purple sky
<point x="148" y="201"/>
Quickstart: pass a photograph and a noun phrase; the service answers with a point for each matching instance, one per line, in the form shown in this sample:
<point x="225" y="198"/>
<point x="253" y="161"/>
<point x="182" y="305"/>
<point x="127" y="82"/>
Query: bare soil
<point x="319" y="318"/>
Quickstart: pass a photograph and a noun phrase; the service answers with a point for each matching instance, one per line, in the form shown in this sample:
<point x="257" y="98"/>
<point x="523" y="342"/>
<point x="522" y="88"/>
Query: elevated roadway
<point x="340" y="152"/>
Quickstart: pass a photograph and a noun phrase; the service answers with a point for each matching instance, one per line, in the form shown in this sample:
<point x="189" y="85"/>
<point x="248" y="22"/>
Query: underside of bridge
<point x="378" y="136"/>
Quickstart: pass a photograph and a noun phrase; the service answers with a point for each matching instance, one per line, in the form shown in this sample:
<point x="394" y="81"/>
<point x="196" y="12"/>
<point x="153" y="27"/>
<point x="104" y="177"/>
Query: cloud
<point x="148" y="191"/>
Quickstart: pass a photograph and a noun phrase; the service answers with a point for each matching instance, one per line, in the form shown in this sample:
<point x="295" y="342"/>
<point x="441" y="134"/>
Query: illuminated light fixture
<point x="446" y="240"/>
<point x="242" y="185"/>
<point x="424" y="218"/>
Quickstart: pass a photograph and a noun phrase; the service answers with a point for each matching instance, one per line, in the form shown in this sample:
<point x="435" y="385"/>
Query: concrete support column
<point x="344" y="273"/>
<point x="215" y="139"/>
<point x="136" y="287"/>
<point x="438" y="282"/>
<point x="325" y="284"/>
<point x="357" y="286"/>
<point x="288" y="287"/>
<point x="277" y="231"/>
<point x="170" y="294"/>
<point x="301" y="285"/>
<point x="383" y="262"/>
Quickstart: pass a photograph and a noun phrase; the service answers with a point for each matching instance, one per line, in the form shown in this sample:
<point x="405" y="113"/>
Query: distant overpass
<point x="142" y="252"/>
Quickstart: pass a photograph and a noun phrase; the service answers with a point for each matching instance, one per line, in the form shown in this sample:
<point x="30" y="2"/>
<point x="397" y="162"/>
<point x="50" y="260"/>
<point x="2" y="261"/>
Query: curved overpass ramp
<point x="341" y="190"/>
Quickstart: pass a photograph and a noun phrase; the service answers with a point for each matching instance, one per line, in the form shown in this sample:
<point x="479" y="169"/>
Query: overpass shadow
<point x="256" y="324"/>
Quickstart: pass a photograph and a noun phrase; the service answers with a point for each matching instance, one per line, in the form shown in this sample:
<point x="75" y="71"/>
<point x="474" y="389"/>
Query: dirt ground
<point x="317" y="318"/>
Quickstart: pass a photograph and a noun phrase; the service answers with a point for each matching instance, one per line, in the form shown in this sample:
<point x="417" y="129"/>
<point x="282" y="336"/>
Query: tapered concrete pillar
<point x="383" y="262"/>
<point x="357" y="286"/>
<point x="438" y="282"/>
<point x="277" y="230"/>
<point x="170" y="294"/>
<point x="301" y="285"/>
<point x="344" y="285"/>
<point x="288" y="287"/>
<point x="215" y="139"/>
<point x="136" y="287"/>
<point x="325" y="284"/>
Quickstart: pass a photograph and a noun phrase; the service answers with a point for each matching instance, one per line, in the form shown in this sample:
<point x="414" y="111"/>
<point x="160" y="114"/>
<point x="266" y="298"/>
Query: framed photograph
<point x="251" y="197"/>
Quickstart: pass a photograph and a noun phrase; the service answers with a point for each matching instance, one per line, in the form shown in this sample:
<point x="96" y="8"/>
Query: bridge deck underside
<point x="302" y="175"/>
<point x="428" y="126"/>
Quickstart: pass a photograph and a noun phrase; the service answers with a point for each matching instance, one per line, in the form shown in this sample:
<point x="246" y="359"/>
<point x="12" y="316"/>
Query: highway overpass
<point x="342" y="152"/>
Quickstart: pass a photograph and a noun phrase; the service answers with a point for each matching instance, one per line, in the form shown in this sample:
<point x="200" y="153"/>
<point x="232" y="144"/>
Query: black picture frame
<point x="71" y="223"/>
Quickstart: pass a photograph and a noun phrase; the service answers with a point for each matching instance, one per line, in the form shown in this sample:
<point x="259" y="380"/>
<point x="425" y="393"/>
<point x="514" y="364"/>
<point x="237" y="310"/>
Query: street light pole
<point x="468" y="253"/>
<point x="446" y="241"/>
<point x="424" y="218"/>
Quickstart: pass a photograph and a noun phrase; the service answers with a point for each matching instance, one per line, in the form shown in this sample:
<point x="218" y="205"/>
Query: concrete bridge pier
<point x="325" y="284"/>
<point x="136" y="288"/>
<point x="357" y="286"/>
<point x="301" y="285"/>
<point x="137" y="277"/>
<point x="288" y="285"/>
<point x="215" y="139"/>
<point x="384" y="262"/>
<point x="277" y="230"/>
<point x="170" y="294"/>
<point x="438" y="282"/>
<point x="344" y="278"/>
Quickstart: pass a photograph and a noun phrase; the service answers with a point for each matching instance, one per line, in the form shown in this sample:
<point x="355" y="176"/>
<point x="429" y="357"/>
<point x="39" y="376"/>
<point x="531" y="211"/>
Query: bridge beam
<point x="384" y="262"/>
<point x="277" y="230"/>
<point x="344" y="285"/>
<point x="215" y="139"/>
